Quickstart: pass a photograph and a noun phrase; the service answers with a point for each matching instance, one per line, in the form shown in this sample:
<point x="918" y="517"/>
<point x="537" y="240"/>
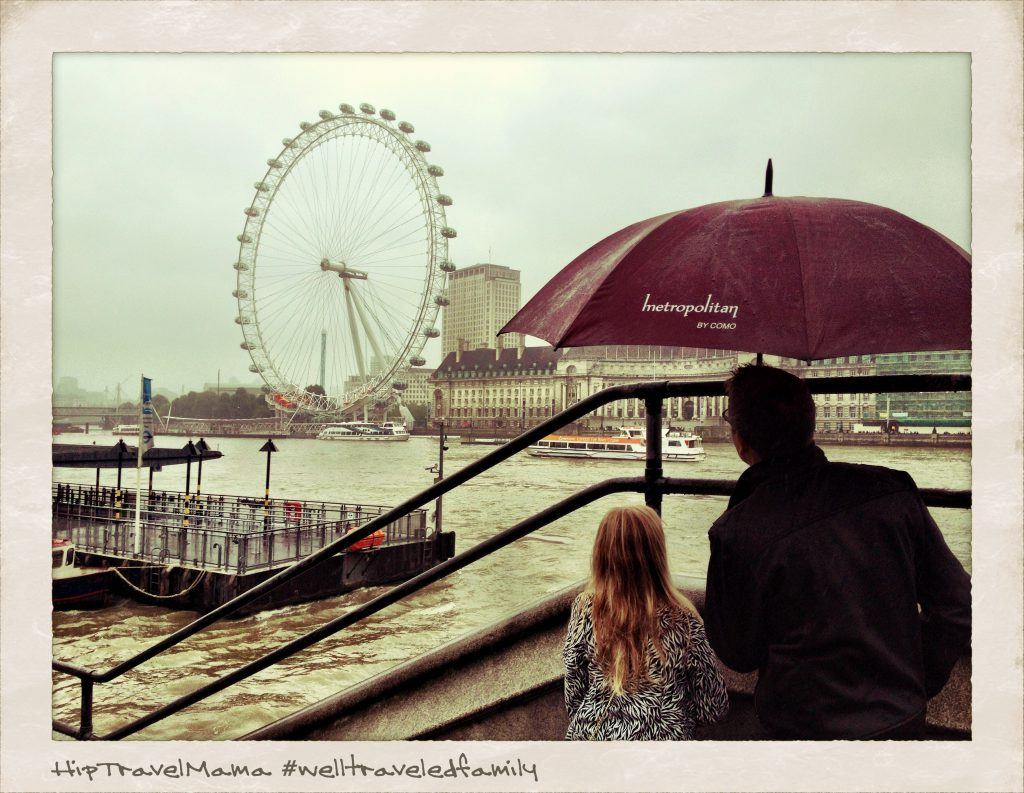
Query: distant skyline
<point x="155" y="156"/>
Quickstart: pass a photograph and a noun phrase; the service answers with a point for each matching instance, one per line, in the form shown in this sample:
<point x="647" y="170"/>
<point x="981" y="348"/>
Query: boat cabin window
<point x="557" y="444"/>
<point x="674" y="443"/>
<point x="617" y="447"/>
<point x="598" y="447"/>
<point x="577" y="446"/>
<point x="58" y="558"/>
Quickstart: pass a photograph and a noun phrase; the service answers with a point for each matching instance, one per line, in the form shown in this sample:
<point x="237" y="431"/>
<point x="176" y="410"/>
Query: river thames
<point x="387" y="473"/>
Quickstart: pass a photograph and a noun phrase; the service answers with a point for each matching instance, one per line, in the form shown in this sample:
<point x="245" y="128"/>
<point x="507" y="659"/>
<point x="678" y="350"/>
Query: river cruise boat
<point x="126" y="429"/>
<point x="364" y="431"/>
<point x="629" y="444"/>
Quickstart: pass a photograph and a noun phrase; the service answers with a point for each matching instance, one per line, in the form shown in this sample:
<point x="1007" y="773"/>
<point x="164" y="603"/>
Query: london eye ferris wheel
<point x="342" y="262"/>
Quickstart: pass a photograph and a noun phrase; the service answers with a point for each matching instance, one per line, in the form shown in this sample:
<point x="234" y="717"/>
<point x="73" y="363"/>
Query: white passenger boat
<point x="364" y="431"/>
<point x="629" y="444"/>
<point x="126" y="429"/>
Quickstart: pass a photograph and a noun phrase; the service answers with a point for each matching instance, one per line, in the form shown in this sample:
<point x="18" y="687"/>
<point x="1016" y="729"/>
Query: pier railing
<point x="653" y="484"/>
<point x="212" y="532"/>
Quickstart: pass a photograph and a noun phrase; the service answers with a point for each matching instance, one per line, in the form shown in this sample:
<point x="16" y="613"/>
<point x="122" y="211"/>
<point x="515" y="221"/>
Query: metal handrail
<point x="652" y="484"/>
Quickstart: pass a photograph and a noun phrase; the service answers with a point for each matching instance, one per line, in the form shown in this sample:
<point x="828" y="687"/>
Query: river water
<point x="387" y="473"/>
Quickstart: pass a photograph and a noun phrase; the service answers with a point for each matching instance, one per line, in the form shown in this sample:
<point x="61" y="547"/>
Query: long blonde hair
<point x="629" y="584"/>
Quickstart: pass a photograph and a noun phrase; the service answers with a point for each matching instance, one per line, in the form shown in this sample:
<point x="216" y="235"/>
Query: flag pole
<point x="138" y="465"/>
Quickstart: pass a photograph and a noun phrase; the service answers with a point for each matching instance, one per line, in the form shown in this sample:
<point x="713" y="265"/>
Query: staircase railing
<point x="653" y="484"/>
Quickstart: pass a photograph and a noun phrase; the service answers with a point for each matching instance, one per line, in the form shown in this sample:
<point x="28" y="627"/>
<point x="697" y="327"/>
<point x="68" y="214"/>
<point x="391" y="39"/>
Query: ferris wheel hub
<point x="343" y="270"/>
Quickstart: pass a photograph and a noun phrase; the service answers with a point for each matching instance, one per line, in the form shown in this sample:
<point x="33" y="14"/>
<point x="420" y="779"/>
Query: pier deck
<point x="212" y="532"/>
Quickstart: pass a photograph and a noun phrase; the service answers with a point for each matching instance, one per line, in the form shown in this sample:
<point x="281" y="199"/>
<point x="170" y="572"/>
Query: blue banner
<point x="147" y="390"/>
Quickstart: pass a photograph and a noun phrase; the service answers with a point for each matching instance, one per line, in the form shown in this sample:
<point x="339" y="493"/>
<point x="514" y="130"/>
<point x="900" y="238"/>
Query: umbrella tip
<point x="768" y="179"/>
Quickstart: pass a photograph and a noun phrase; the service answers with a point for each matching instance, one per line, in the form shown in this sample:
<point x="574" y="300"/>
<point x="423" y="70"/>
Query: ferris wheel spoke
<point x="299" y="216"/>
<point x="296" y="340"/>
<point x="372" y="211"/>
<point x="284" y="289"/>
<point x="399" y="204"/>
<point x="286" y="230"/>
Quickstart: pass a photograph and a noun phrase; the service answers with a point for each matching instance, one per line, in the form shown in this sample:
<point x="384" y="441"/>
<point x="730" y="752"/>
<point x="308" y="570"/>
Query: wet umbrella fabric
<point x="805" y="278"/>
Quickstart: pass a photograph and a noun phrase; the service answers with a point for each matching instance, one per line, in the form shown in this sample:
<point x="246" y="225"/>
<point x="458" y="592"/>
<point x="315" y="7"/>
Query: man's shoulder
<point x="835" y="484"/>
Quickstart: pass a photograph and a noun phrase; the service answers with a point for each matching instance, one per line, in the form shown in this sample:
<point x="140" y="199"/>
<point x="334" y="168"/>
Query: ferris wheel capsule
<point x="326" y="115"/>
<point x="273" y="162"/>
<point x="288" y="143"/>
<point x="255" y="369"/>
<point x="406" y="127"/>
<point x="304" y="125"/>
<point x="449" y="233"/>
<point x="442" y="301"/>
<point x="417" y="360"/>
<point x="386" y="114"/>
<point x="346" y="108"/>
<point x="367" y="108"/>
<point x="399" y="385"/>
<point x="252" y="212"/>
<point x="240" y="266"/>
<point x="444" y="200"/>
<point x="423" y="146"/>
<point x="243" y="238"/>
<point x="261" y="187"/>
<point x="248" y="345"/>
<point x="431" y="333"/>
<point x="243" y="320"/>
<point x="435" y="170"/>
<point x="446" y="267"/>
<point x="239" y="293"/>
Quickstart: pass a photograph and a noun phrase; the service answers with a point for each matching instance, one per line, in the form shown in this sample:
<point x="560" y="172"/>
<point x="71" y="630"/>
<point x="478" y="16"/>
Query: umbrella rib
<point x="800" y="262"/>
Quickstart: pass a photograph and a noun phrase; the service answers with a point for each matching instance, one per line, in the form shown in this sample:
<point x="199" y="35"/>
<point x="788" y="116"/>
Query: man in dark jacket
<point x="829" y="579"/>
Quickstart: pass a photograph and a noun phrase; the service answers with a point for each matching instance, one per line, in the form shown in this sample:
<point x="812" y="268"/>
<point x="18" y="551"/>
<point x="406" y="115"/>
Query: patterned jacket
<point x="684" y="690"/>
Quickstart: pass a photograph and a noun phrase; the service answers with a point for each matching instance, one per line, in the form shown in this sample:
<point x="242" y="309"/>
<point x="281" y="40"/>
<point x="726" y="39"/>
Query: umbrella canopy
<point x="805" y="278"/>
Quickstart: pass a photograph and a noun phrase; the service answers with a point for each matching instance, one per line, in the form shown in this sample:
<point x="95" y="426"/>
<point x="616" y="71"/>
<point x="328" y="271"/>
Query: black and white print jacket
<point x="684" y="690"/>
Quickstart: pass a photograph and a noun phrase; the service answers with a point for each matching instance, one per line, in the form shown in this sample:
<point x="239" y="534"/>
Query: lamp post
<point x="202" y="447"/>
<point x="441" y="449"/>
<point x="190" y="451"/>
<point x="121" y="449"/>
<point x="269" y="448"/>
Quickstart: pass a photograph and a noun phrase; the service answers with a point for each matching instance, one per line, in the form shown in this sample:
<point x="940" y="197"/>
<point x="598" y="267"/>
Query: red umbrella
<point x="804" y="278"/>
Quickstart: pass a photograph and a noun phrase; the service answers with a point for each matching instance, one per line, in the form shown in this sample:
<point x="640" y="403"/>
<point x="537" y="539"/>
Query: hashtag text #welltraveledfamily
<point x="337" y="768"/>
<point x="455" y="769"/>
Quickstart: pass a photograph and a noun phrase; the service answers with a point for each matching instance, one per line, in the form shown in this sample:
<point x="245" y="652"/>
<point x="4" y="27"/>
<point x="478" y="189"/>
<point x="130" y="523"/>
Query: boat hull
<point x="84" y="590"/>
<point x="584" y="454"/>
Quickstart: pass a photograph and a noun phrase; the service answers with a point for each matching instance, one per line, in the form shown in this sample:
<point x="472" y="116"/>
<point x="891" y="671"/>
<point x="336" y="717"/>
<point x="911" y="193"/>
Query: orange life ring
<point x="370" y="541"/>
<point x="293" y="511"/>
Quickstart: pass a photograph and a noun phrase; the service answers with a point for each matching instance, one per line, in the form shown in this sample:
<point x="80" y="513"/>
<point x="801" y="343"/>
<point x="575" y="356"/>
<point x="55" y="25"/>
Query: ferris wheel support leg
<point x="357" y="300"/>
<point x="357" y="347"/>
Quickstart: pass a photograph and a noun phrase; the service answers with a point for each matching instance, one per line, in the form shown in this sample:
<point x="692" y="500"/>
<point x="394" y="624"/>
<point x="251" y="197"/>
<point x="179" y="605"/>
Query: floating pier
<point x="200" y="551"/>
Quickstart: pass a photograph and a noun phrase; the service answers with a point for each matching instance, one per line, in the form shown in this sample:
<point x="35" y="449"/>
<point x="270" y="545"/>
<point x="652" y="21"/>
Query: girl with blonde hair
<point x="637" y="663"/>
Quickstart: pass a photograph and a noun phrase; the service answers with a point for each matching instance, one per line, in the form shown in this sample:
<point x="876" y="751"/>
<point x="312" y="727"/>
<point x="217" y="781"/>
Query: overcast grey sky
<point x="155" y="158"/>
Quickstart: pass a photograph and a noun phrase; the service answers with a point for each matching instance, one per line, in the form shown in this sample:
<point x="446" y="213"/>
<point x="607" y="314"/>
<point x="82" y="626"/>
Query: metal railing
<point x="653" y="484"/>
<point x="213" y="532"/>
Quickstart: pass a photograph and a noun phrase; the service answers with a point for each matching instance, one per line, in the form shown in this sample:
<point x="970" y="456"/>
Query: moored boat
<point x="78" y="587"/>
<point x="125" y="429"/>
<point x="364" y="431"/>
<point x="629" y="444"/>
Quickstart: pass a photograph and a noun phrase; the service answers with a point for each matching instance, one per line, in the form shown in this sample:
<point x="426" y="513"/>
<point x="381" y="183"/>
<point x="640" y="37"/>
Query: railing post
<point x="653" y="472"/>
<point x="85" y="721"/>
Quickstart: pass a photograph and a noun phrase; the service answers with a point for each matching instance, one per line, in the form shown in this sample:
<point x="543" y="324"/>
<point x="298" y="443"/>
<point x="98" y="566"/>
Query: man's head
<point x="771" y="412"/>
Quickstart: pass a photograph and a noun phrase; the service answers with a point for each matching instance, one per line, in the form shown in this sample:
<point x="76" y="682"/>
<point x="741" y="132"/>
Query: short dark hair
<point x="771" y="409"/>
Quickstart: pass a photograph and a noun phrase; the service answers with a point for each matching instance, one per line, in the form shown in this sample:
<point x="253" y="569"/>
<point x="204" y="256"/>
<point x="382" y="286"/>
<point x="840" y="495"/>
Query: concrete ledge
<point x="504" y="682"/>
